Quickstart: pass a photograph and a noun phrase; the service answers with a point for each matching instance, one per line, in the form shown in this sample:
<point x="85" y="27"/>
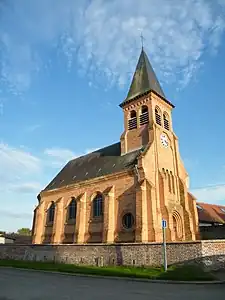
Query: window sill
<point x="49" y="224"/>
<point x="70" y="222"/>
<point x="96" y="220"/>
<point x="127" y="230"/>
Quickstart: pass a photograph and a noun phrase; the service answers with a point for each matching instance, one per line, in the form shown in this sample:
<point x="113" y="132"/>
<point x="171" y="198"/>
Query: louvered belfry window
<point x="132" y="122"/>
<point x="166" y="122"/>
<point x="144" y="117"/>
<point x="158" y="117"/>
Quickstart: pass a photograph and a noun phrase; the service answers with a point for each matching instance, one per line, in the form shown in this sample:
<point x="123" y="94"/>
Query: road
<point x="31" y="285"/>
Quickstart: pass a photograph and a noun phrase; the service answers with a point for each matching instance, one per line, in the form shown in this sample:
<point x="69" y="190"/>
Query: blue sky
<point x="65" y="66"/>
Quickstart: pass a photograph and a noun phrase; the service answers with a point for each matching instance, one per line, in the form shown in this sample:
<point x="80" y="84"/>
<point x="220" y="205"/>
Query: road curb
<point x="122" y="278"/>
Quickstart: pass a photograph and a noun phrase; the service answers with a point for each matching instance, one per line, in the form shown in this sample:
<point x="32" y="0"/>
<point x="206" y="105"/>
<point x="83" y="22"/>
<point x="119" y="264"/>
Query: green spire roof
<point x="144" y="80"/>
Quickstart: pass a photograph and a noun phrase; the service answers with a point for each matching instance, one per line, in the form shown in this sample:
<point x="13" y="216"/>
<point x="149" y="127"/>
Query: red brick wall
<point x="124" y="199"/>
<point x="211" y="253"/>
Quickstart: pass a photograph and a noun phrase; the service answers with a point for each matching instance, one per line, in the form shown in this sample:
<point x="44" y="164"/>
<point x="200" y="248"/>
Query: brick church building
<point x="122" y="192"/>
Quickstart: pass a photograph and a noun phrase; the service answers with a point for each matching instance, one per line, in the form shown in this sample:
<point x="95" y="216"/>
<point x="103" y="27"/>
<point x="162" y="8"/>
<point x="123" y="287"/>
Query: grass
<point x="181" y="273"/>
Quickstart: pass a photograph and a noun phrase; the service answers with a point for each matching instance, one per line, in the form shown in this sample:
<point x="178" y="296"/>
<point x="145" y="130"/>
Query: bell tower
<point x="148" y="125"/>
<point x="138" y="107"/>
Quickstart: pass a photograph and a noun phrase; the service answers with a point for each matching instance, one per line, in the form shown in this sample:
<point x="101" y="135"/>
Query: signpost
<point x="164" y="225"/>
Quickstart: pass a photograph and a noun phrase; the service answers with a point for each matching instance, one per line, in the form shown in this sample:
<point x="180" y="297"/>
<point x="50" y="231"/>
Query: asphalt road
<point x="30" y="285"/>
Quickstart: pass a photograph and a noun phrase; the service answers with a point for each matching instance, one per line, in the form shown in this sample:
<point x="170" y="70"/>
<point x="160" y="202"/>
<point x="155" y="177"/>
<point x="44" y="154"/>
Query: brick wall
<point x="210" y="253"/>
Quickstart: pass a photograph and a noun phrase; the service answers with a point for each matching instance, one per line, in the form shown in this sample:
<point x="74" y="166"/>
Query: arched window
<point x="72" y="210"/>
<point x="158" y="116"/>
<point x="98" y="206"/>
<point x="177" y="225"/>
<point x="133" y="114"/>
<point x="166" y="121"/>
<point x="144" y="117"/>
<point x="128" y="221"/>
<point x="51" y="213"/>
<point x="132" y="122"/>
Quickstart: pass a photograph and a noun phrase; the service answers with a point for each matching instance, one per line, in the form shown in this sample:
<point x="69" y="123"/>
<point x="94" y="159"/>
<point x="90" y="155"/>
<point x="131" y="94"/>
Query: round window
<point x="128" y="221"/>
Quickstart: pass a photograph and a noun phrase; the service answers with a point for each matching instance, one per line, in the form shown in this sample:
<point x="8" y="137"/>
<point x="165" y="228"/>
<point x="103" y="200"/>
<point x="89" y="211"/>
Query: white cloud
<point x="103" y="37"/>
<point x="59" y="156"/>
<point x="211" y="194"/>
<point x="33" y="128"/>
<point x="26" y="188"/>
<point x="15" y="215"/>
<point x="14" y="162"/>
<point x="17" y="65"/>
<point x="1" y="108"/>
<point x="17" y="169"/>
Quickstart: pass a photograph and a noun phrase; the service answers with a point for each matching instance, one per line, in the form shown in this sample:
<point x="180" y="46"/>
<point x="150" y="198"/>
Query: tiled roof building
<point x="211" y="214"/>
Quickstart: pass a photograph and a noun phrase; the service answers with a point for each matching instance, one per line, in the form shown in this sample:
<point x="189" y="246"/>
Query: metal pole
<point x="164" y="249"/>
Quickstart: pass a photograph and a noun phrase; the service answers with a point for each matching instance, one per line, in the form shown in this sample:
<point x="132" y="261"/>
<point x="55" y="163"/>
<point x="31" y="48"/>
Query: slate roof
<point x="144" y="80"/>
<point x="101" y="162"/>
<point x="211" y="213"/>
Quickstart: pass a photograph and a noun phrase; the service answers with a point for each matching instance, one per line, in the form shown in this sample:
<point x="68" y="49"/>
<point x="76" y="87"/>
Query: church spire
<point x="144" y="80"/>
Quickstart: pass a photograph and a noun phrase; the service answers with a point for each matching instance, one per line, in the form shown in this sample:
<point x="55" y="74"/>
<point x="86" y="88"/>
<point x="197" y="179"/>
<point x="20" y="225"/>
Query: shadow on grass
<point x="181" y="273"/>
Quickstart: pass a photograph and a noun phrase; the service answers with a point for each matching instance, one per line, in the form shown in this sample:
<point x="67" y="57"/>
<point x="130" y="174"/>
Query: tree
<point x="24" y="231"/>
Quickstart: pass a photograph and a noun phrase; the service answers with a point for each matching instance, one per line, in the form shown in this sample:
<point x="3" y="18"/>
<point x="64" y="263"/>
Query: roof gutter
<point x="85" y="183"/>
<point x="127" y="101"/>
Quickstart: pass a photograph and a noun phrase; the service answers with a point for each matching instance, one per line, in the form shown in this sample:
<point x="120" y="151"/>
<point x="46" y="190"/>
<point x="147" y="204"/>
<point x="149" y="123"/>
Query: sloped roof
<point x="102" y="162"/>
<point x="211" y="213"/>
<point x="144" y="80"/>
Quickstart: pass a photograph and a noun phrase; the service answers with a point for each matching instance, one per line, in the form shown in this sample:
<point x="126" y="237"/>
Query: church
<point x="121" y="193"/>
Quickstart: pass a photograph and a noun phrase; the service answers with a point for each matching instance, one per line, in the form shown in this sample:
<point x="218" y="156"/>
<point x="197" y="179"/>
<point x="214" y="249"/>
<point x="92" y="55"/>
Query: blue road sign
<point x="164" y="224"/>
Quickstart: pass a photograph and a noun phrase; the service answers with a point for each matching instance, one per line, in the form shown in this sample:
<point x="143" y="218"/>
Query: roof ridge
<point x="106" y="147"/>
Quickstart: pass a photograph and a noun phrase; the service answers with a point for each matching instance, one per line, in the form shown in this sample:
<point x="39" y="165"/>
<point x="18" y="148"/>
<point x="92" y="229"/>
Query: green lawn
<point x="184" y="273"/>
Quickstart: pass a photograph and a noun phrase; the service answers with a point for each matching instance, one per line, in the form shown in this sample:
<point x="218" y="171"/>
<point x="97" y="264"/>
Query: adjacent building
<point x="211" y="221"/>
<point x="5" y="239"/>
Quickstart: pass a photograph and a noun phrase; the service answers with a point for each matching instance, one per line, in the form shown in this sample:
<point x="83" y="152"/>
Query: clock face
<point x="164" y="140"/>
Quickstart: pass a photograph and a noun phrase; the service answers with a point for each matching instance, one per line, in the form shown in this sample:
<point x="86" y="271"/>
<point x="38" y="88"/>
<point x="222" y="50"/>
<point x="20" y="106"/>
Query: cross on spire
<point x="142" y="40"/>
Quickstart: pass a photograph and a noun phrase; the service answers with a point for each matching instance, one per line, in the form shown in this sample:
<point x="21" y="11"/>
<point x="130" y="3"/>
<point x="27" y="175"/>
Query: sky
<point x="66" y="65"/>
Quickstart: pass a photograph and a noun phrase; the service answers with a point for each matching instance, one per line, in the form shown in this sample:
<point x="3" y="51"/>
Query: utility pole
<point x="164" y="225"/>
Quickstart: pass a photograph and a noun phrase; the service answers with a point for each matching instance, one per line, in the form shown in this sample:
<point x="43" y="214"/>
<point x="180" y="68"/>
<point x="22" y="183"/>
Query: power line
<point x="208" y="186"/>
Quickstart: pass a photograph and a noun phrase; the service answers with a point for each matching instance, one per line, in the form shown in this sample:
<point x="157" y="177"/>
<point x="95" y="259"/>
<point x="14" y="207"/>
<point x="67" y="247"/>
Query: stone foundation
<point x="211" y="254"/>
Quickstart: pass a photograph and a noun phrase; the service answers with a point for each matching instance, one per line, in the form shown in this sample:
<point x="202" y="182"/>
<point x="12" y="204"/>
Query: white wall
<point x="2" y="240"/>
